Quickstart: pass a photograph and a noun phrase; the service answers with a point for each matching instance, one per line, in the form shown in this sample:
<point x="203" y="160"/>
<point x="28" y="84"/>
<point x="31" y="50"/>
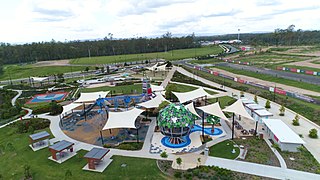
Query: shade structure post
<point x="84" y="111"/>
<point x="137" y="135"/>
<point x="205" y="100"/>
<point x="202" y="124"/>
<point x="61" y="120"/>
<point x="255" y="131"/>
<point x="101" y="138"/>
<point x="232" y="126"/>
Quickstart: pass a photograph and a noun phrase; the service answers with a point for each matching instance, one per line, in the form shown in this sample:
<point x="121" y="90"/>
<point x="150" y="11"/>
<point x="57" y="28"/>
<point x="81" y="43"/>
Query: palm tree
<point x="213" y="120"/>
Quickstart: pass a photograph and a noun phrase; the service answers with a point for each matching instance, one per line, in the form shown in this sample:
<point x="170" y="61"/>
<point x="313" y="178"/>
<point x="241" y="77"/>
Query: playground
<point x="56" y="96"/>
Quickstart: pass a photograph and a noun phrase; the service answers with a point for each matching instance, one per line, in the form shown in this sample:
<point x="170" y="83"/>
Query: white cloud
<point x="42" y="20"/>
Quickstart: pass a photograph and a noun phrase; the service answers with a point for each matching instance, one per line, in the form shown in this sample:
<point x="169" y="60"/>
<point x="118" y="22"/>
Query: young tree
<point x="199" y="161"/>
<point x="255" y="99"/>
<point x="268" y="106"/>
<point x="282" y="110"/>
<point x="179" y="161"/>
<point x="86" y="69"/>
<point x="164" y="154"/>
<point x="241" y="94"/>
<point x="295" y="121"/>
<point x="55" y="108"/>
<point x="313" y="133"/>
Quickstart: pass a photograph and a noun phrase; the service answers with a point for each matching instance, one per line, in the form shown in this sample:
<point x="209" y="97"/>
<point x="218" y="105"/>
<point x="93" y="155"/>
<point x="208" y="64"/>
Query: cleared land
<point x="170" y="55"/>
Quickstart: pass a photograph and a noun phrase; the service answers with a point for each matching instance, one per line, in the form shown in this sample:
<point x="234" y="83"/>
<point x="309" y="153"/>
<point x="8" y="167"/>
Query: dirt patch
<point x="307" y="63"/>
<point x="52" y="63"/>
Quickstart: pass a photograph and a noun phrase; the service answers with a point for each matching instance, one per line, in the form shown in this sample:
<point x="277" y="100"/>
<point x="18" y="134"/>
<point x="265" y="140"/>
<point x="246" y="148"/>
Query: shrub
<point x="178" y="174"/>
<point x="295" y="121"/>
<point x="241" y="94"/>
<point x="36" y="124"/>
<point x="282" y="110"/>
<point x="313" y="133"/>
<point x="55" y="108"/>
<point x="164" y="154"/>
<point x="268" y="106"/>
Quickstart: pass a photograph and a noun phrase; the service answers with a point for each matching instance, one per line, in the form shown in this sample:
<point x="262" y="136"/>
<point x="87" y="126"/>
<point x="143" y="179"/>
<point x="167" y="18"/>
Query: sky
<point x="64" y="20"/>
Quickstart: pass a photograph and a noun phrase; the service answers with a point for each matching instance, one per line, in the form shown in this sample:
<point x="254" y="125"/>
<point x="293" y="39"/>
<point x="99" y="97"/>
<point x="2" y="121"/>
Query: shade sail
<point x="39" y="79"/>
<point x="238" y="109"/>
<point x="191" y="95"/>
<point x="154" y="103"/>
<point x="152" y="68"/>
<point x="282" y="131"/>
<point x="70" y="107"/>
<point x="190" y="107"/>
<point x="156" y="88"/>
<point x="124" y="119"/>
<point x="213" y="109"/>
<point x="89" y="97"/>
<point x="162" y="68"/>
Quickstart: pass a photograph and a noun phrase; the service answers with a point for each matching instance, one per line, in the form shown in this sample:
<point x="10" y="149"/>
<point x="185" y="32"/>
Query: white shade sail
<point x="190" y="107"/>
<point x="162" y="68"/>
<point x="124" y="119"/>
<point x="156" y="88"/>
<point x="39" y="79"/>
<point x="213" y="109"/>
<point x="89" y="97"/>
<point x="238" y="109"/>
<point x="152" y="68"/>
<point x="191" y="95"/>
<point x="70" y="107"/>
<point x="154" y="103"/>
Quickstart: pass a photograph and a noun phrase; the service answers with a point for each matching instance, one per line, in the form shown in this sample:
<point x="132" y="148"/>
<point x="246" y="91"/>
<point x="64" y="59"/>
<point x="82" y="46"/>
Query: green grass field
<point x="269" y="78"/>
<point x="127" y="89"/>
<point x="170" y="55"/>
<point x="185" y="88"/>
<point x="17" y="71"/>
<point x="15" y="154"/>
<point x="224" y="150"/>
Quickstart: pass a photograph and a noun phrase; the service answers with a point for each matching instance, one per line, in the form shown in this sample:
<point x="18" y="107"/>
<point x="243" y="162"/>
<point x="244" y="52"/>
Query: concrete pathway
<point x="169" y="76"/>
<point x="313" y="145"/>
<point x="278" y="155"/>
<point x="14" y="99"/>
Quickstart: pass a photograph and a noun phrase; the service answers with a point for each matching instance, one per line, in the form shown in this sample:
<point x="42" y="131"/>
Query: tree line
<point x="56" y="50"/>
<point x="288" y="37"/>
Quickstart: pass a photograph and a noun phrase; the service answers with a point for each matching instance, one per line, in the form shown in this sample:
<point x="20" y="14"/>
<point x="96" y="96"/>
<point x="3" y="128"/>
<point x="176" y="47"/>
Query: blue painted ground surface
<point x="48" y="97"/>
<point x="165" y="140"/>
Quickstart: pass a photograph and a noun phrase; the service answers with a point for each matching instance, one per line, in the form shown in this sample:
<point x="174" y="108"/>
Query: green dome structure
<point x="175" y="121"/>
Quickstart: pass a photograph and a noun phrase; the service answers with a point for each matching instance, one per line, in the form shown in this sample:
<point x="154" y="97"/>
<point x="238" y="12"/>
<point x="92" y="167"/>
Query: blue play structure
<point x="117" y="100"/>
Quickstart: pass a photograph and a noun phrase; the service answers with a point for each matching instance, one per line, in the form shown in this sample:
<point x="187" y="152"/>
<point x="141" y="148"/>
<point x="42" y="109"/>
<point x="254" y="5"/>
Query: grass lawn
<point x="269" y="78"/>
<point x="24" y="71"/>
<point x="224" y="101"/>
<point x="170" y="55"/>
<point x="15" y="153"/>
<point x="224" y="150"/>
<point x="258" y="151"/>
<point x="303" y="161"/>
<point x="125" y="89"/>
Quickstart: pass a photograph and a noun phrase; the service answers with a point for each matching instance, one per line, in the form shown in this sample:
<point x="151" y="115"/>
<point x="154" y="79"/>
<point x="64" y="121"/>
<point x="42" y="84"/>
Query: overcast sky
<point x="43" y="20"/>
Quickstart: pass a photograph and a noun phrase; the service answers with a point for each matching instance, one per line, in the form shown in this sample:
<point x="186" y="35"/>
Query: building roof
<point x="262" y="112"/>
<point x="39" y="135"/>
<point x="190" y="107"/>
<point x="238" y="108"/>
<point x="191" y="95"/>
<point x="247" y="101"/>
<point x="153" y="103"/>
<point x="59" y="146"/>
<point x="124" y="119"/>
<point x="213" y="109"/>
<point x="254" y="106"/>
<point x="70" y="107"/>
<point x="282" y="131"/>
<point x="96" y="153"/>
<point x="89" y="97"/>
